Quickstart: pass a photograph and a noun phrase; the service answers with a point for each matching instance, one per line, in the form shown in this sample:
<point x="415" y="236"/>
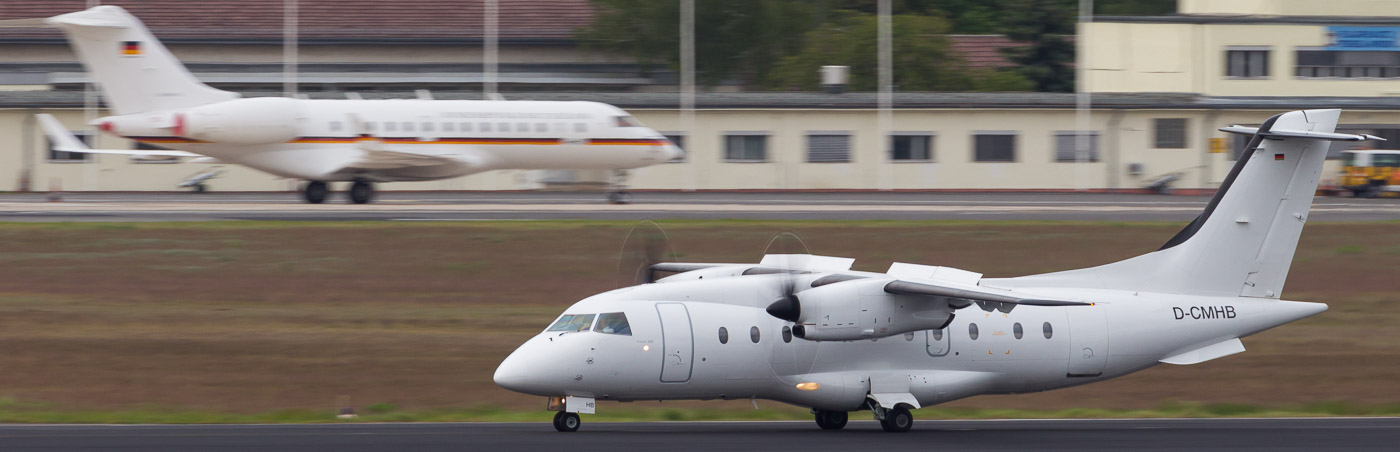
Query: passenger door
<point x="1088" y="340"/>
<point x="677" y="343"/>
<point x="938" y="342"/>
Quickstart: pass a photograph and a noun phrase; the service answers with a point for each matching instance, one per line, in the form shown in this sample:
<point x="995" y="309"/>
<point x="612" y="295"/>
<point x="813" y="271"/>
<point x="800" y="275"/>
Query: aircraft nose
<point x="514" y="373"/>
<point x="674" y="152"/>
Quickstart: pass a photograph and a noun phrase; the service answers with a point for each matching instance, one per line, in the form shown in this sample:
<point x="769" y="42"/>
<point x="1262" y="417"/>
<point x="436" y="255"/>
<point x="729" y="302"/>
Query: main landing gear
<point x="897" y="420"/>
<point x="566" y="422"/>
<point x="830" y="420"/>
<point x="315" y="192"/>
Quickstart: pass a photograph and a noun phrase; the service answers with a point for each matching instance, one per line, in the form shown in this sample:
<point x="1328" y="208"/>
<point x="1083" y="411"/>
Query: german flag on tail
<point x="131" y="48"/>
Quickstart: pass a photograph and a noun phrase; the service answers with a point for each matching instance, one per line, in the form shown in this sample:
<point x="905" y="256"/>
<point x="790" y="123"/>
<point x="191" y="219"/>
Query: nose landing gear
<point x="617" y="190"/>
<point x="830" y="420"/>
<point x="566" y="422"/>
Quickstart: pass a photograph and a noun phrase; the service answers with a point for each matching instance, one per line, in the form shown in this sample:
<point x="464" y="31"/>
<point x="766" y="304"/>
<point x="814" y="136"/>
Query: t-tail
<point x="1243" y="243"/>
<point x="135" y="72"/>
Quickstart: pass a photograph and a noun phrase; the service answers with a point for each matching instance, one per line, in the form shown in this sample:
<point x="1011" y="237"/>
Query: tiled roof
<point x="982" y="51"/>
<point x="329" y="19"/>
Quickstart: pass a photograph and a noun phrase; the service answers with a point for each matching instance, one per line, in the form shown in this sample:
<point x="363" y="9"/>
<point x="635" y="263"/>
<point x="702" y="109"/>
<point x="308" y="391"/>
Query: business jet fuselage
<point x="809" y="331"/>
<point x="156" y="100"/>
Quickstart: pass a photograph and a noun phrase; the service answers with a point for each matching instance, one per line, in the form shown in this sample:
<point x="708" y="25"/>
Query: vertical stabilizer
<point x="1243" y="243"/>
<point x="135" y="72"/>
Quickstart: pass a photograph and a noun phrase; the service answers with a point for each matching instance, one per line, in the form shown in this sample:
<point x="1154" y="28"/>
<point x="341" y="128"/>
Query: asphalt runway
<point x="1125" y="434"/>
<point x="473" y="206"/>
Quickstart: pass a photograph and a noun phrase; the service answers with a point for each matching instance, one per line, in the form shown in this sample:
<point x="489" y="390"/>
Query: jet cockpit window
<point x="573" y="323"/>
<point x="613" y="323"/>
<point x="627" y="121"/>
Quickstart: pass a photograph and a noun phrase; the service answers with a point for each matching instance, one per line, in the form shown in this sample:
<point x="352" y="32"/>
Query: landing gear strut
<point x="314" y="192"/>
<point x="617" y="190"/>
<point x="361" y="192"/>
<point x="830" y="420"/>
<point x="566" y="422"/>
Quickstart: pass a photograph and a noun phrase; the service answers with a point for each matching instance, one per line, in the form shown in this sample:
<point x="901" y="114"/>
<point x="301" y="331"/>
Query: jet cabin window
<point x="573" y="323"/>
<point x="613" y="323"/>
<point x="627" y="121"/>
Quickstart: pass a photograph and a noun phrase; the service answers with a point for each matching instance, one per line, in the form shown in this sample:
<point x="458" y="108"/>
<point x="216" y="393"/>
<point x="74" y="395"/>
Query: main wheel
<point x="361" y="192"/>
<point x="620" y="197"/>
<point x="831" y="420"/>
<point x="897" y="420"/>
<point x="566" y="422"/>
<point x="315" y="192"/>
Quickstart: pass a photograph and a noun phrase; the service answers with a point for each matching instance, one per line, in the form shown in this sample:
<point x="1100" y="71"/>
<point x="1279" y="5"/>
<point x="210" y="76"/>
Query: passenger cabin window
<point x="541" y="127"/>
<point x="369" y="126"/>
<point x="627" y="121"/>
<point x="1017" y="330"/>
<point x="407" y="126"/>
<point x="427" y="127"/>
<point x="503" y="127"/>
<point x="1048" y="331"/>
<point x="573" y="323"/>
<point x="753" y="334"/>
<point x="580" y="127"/>
<point x="447" y="127"/>
<point x="466" y="127"/>
<point x="972" y="331"/>
<point x="485" y="127"/>
<point x="787" y="334"/>
<point x="335" y="126"/>
<point x="523" y="127"/>
<point x="391" y="126"/>
<point x="613" y="323"/>
<point x="723" y="335"/>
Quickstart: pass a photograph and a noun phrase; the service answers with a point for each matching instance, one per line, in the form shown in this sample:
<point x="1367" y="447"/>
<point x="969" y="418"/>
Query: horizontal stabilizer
<point x="64" y="141"/>
<point x="1277" y="134"/>
<point x="1207" y="353"/>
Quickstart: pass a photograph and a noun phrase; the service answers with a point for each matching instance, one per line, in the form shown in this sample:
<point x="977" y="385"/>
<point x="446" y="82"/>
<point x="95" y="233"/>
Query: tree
<point x="734" y="39"/>
<point x="921" y="61"/>
<point x="1043" y="25"/>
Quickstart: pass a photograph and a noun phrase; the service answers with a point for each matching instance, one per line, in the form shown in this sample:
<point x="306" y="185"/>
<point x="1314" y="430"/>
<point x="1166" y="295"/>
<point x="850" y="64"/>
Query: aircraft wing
<point x="63" y="140"/>
<point x="994" y="299"/>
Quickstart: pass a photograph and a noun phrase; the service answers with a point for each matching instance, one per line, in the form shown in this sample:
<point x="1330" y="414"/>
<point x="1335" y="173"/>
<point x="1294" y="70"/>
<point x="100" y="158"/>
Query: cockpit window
<point x="627" y="121"/>
<point x="613" y="323"/>
<point x="573" y="323"/>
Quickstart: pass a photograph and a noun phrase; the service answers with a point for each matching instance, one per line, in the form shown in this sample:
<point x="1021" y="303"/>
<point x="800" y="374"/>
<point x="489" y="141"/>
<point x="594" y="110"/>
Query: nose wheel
<point x="617" y="189"/>
<point x="566" y="422"/>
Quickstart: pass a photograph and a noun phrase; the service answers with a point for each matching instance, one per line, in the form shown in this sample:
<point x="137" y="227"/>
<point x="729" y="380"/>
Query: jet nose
<point x="674" y="152"/>
<point x="513" y="373"/>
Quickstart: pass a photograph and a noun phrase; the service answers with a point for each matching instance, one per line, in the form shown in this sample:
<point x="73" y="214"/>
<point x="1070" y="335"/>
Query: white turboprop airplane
<point x="157" y="101"/>
<point x="808" y="331"/>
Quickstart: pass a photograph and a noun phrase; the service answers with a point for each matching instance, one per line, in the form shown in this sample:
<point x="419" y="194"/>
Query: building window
<point x="828" y="147"/>
<point x="1067" y="146"/>
<point x="1169" y="133"/>
<point x="1318" y="63"/>
<point x="1247" y="63"/>
<point x="677" y="139"/>
<point x="61" y="156"/>
<point x="994" y="147"/>
<point x="746" y="148"/>
<point x="913" y="147"/>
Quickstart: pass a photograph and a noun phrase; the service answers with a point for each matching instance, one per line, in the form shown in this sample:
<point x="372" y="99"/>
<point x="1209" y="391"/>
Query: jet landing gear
<point x="314" y="192"/>
<point x="830" y="420"/>
<point x="566" y="422"/>
<point x="361" y="192"/>
<point x="617" y="190"/>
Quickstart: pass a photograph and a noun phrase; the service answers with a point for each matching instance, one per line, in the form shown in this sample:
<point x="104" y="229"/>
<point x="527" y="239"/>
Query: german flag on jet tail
<point x="131" y="48"/>
<point x="1278" y="156"/>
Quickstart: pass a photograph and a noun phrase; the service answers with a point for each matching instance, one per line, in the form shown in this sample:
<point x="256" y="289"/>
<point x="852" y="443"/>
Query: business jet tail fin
<point x="1243" y="243"/>
<point x="134" y="70"/>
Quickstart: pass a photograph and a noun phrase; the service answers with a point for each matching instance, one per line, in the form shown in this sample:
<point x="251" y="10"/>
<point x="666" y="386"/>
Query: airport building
<point x="1160" y="85"/>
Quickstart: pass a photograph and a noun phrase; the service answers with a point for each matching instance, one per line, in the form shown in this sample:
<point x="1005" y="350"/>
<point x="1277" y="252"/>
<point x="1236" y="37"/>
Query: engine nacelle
<point x="259" y="120"/>
<point x="861" y="309"/>
<point x="149" y="124"/>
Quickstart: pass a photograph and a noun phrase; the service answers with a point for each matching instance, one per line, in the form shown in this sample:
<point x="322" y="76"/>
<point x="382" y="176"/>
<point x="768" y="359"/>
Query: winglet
<point x="63" y="140"/>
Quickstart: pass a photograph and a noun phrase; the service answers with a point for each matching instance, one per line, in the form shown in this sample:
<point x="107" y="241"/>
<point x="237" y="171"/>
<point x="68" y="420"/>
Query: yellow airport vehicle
<point x="1368" y="173"/>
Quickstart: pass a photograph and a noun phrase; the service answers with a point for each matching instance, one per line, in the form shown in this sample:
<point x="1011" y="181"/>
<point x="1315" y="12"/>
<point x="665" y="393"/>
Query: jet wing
<point x="63" y="140"/>
<point x="961" y="297"/>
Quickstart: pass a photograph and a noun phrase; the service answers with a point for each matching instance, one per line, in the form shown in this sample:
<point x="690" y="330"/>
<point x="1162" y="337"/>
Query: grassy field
<point x="272" y="322"/>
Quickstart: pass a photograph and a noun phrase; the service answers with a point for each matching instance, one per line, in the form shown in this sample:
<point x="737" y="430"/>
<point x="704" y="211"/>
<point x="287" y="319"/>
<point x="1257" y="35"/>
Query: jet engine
<point x="858" y="309"/>
<point x="259" y="120"/>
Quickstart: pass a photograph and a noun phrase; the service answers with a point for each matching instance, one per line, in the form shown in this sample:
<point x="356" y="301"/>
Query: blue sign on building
<point x="1363" y="38"/>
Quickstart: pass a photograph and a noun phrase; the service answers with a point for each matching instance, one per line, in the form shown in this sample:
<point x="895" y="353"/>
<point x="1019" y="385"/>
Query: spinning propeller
<point x="646" y="245"/>
<point x="787" y="306"/>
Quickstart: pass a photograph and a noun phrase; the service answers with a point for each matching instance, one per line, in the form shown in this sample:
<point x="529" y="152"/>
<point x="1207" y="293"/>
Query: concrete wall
<point x="1125" y="137"/>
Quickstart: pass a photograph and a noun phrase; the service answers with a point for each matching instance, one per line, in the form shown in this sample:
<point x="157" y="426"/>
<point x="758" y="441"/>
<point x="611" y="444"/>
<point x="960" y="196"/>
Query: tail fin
<point x="1243" y="243"/>
<point x="136" y="73"/>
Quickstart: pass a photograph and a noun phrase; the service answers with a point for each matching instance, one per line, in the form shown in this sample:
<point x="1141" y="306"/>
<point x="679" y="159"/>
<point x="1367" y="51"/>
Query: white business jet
<point x="157" y="101"/>
<point x="808" y="331"/>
